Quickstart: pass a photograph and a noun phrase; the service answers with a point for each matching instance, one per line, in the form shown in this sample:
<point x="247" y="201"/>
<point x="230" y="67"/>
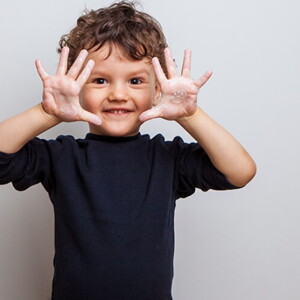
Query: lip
<point x="117" y="110"/>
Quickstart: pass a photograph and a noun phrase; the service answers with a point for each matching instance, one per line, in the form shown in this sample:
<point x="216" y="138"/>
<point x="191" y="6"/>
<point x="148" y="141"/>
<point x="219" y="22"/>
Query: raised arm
<point x="60" y="103"/>
<point x="179" y="103"/>
<point x="225" y="152"/>
<point x="16" y="131"/>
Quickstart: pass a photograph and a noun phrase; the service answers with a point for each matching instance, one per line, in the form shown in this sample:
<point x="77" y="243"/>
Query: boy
<point x="114" y="191"/>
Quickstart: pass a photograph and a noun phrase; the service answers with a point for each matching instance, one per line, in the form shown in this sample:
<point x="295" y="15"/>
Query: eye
<point x="100" y="81"/>
<point x="135" y="81"/>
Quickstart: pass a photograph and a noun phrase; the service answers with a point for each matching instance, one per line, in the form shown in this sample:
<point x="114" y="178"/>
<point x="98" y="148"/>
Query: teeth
<point x="118" y="111"/>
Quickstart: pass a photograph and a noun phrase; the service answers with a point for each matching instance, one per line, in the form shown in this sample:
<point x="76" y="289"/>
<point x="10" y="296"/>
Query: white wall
<point x="238" y="245"/>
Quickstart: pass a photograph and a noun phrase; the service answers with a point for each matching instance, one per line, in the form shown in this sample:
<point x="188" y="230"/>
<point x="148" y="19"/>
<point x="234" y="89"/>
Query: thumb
<point x="90" y="118"/>
<point x="154" y="112"/>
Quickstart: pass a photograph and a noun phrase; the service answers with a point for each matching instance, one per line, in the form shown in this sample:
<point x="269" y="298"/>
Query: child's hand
<point x="178" y="93"/>
<point x="61" y="91"/>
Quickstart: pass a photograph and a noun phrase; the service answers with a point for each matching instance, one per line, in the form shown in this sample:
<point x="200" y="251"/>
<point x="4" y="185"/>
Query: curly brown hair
<point x="136" y="33"/>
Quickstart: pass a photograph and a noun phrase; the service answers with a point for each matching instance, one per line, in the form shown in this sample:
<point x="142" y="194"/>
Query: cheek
<point x="83" y="96"/>
<point x="155" y="95"/>
<point x="148" y="100"/>
<point x="86" y="99"/>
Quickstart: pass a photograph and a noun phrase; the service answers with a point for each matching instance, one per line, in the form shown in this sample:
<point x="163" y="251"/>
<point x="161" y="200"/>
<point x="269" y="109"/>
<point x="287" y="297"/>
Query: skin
<point x="118" y="91"/>
<point x="116" y="95"/>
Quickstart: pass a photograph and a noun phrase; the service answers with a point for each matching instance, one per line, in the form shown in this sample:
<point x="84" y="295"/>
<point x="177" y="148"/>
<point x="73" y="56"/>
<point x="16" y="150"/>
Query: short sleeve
<point x="195" y="170"/>
<point x="31" y="165"/>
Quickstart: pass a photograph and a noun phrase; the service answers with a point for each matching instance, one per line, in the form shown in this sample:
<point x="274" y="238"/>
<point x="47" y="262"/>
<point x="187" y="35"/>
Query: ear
<point x="157" y="93"/>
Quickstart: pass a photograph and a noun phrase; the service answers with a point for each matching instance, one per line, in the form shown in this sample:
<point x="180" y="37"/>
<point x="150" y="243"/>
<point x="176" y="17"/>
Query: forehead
<point x="115" y="56"/>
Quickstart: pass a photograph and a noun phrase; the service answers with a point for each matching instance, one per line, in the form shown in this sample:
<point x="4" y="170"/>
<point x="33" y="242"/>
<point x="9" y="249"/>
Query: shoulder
<point x="177" y="143"/>
<point x="176" y="148"/>
<point x="160" y="139"/>
<point x="52" y="147"/>
<point x="66" y="141"/>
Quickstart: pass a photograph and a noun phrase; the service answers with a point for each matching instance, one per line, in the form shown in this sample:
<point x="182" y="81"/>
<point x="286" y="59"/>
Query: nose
<point x="118" y="92"/>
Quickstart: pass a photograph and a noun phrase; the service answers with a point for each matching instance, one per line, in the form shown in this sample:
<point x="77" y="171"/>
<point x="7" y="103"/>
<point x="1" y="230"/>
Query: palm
<point x="61" y="91"/>
<point x="179" y="98"/>
<point x="61" y="98"/>
<point x="178" y="93"/>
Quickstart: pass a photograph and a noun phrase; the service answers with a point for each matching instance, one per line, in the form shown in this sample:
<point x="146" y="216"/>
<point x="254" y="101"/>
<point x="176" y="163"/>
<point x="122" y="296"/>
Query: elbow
<point x="249" y="174"/>
<point x="244" y="174"/>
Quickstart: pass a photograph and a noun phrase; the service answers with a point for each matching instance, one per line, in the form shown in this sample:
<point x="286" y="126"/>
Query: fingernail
<point x="90" y="63"/>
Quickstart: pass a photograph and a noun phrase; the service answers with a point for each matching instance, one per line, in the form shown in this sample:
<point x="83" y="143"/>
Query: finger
<point x="86" y="72"/>
<point x="42" y="73"/>
<point x="186" y="66"/>
<point x="149" y="114"/>
<point x="170" y="63"/>
<point x="63" y="61"/>
<point x="77" y="65"/>
<point x="203" y="79"/>
<point x="89" y="117"/>
<point x="160" y="75"/>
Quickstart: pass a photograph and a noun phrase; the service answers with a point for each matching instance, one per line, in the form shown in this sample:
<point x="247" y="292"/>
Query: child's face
<point x="118" y="91"/>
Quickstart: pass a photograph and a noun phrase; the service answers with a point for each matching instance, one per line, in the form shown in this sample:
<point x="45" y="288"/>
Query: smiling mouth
<point x="117" y="111"/>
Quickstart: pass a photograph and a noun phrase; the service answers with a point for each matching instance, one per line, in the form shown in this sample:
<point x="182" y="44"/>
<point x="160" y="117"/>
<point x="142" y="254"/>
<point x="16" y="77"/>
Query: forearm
<point x="16" y="131"/>
<point x="225" y="152"/>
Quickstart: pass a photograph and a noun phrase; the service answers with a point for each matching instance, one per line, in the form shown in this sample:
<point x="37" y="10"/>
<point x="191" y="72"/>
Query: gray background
<point x="237" y="245"/>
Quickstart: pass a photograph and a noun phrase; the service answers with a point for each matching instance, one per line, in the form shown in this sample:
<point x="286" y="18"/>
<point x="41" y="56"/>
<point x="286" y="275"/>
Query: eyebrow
<point x="132" y="73"/>
<point x="139" y="72"/>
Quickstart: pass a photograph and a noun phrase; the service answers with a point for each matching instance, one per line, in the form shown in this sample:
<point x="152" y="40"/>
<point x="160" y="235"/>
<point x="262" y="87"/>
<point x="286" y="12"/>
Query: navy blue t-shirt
<point x="114" y="201"/>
